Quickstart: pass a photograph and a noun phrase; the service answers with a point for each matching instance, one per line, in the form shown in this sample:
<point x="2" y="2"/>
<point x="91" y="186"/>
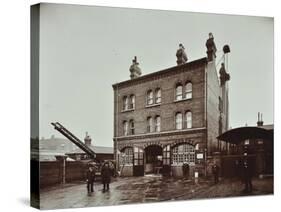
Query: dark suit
<point x="105" y="176"/>
<point x="90" y="180"/>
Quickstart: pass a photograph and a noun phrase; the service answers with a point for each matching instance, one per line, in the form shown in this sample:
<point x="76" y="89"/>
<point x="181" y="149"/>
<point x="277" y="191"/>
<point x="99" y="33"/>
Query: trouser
<point x="105" y="186"/>
<point x="248" y="185"/>
<point x="90" y="186"/>
<point x="216" y="178"/>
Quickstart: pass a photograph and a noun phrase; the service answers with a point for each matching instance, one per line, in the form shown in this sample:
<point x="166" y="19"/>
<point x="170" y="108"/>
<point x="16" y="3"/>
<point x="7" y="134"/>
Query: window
<point x="158" y="96"/>
<point x="179" y="92"/>
<point x="157" y="124"/>
<point x="166" y="155"/>
<point x="132" y="127"/>
<point x="132" y="101"/>
<point x="125" y="128"/>
<point x="149" y="124"/>
<point x="127" y="156"/>
<point x="188" y="119"/>
<point x="150" y="97"/>
<point x="188" y="90"/>
<point x="178" y="121"/>
<point x="183" y="153"/>
<point x="125" y="103"/>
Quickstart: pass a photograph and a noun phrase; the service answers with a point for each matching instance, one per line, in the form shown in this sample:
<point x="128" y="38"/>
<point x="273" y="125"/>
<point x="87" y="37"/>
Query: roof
<point x="171" y="70"/>
<point x="237" y="135"/>
<point x="96" y="149"/>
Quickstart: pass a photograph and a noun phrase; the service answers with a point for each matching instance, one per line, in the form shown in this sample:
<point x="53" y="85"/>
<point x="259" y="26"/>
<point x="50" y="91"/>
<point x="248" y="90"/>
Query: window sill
<point x="153" y="105"/>
<point x="181" y="100"/>
<point x="129" y="110"/>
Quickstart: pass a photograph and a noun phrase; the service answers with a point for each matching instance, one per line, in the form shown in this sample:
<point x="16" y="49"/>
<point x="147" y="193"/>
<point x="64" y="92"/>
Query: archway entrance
<point x="153" y="159"/>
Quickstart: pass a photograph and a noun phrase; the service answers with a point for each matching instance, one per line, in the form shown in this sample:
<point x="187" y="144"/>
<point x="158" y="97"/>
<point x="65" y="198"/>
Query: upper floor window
<point x="132" y="101"/>
<point x="150" y="97"/>
<point x="157" y="123"/>
<point x="125" y="103"/>
<point x="125" y="128"/>
<point x="179" y="92"/>
<point x="178" y="121"/>
<point x="188" y="119"/>
<point x="188" y="90"/>
<point x="132" y="127"/>
<point x="158" y="96"/>
<point x="149" y="124"/>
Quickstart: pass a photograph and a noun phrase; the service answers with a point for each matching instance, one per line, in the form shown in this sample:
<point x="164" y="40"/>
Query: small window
<point x="132" y="127"/>
<point x="188" y="119"/>
<point x="179" y="92"/>
<point x="158" y="96"/>
<point x="178" y="121"/>
<point x="132" y="102"/>
<point x="150" y="97"/>
<point x="125" y="103"/>
<point x="157" y="124"/>
<point x="188" y="90"/>
<point x="125" y="128"/>
<point x="149" y="124"/>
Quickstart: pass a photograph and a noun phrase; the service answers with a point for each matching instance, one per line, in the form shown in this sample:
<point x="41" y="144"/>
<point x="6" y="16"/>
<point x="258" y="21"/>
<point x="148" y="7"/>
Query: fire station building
<point x="171" y="117"/>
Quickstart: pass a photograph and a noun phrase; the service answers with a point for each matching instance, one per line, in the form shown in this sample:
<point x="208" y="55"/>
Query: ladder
<point x="59" y="127"/>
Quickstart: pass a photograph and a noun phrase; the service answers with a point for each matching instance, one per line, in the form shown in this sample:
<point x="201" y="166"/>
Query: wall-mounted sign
<point x="199" y="156"/>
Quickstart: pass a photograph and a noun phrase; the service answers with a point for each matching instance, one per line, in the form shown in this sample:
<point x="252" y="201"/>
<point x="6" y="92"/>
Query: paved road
<point x="145" y="189"/>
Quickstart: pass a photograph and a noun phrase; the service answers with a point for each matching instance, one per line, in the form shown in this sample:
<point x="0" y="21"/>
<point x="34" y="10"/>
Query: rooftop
<point x="168" y="71"/>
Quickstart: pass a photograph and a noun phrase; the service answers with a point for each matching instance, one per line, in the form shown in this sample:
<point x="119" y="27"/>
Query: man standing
<point x="248" y="174"/>
<point x="185" y="170"/>
<point x="90" y="179"/>
<point x="105" y="176"/>
<point x="215" y="170"/>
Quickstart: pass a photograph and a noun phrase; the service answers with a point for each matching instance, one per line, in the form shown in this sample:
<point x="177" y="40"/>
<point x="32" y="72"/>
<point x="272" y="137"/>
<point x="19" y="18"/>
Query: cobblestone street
<point x="145" y="189"/>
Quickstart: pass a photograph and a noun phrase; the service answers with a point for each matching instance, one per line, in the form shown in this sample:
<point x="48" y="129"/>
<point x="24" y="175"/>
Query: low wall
<point x="51" y="172"/>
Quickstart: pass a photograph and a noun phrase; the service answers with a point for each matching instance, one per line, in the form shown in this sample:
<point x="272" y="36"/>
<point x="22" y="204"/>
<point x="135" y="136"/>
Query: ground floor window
<point x="126" y="156"/>
<point x="183" y="153"/>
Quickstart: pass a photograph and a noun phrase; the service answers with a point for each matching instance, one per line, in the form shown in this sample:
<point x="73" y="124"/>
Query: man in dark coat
<point x="248" y="174"/>
<point x="216" y="170"/>
<point x="105" y="176"/>
<point x="185" y="170"/>
<point x="90" y="175"/>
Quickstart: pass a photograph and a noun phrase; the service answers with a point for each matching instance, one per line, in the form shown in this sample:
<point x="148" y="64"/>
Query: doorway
<point x="153" y="159"/>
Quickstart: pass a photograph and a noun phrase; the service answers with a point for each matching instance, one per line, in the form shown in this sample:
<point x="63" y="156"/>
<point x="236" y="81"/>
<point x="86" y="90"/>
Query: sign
<point x="199" y="156"/>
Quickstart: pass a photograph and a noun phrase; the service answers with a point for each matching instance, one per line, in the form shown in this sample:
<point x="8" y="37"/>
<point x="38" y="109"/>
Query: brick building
<point x="170" y="117"/>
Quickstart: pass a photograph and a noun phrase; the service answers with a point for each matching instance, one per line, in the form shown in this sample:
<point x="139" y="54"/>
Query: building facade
<point x="170" y="117"/>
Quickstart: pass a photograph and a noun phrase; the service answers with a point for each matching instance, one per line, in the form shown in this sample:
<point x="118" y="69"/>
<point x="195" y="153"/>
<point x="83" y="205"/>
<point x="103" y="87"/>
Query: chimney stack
<point x="260" y="121"/>
<point x="87" y="139"/>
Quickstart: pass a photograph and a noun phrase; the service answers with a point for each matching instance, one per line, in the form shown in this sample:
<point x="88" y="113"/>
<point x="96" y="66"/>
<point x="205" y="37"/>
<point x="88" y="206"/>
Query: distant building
<point x="172" y="116"/>
<point x="102" y="153"/>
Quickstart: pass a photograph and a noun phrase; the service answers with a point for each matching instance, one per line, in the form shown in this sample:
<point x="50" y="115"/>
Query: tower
<point x="87" y="139"/>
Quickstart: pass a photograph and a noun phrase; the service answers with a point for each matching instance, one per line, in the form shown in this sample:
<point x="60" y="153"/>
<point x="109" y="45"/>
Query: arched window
<point x="126" y="156"/>
<point x="132" y="101"/>
<point x="158" y="96"/>
<point x="188" y="90"/>
<point x="125" y="103"/>
<point x="149" y="124"/>
<point x="179" y="92"/>
<point x="178" y="121"/>
<point x="157" y="123"/>
<point x="132" y="127"/>
<point x="150" y="97"/>
<point x="188" y="119"/>
<point x="183" y="153"/>
<point x="125" y="128"/>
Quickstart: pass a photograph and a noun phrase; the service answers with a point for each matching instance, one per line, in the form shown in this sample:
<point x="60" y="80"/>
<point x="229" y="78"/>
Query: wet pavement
<point x="129" y="190"/>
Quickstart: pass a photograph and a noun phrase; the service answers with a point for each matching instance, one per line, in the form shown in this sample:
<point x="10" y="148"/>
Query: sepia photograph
<point x="134" y="106"/>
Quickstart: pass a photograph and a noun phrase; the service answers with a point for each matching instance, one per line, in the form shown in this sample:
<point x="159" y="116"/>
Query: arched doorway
<point x="153" y="159"/>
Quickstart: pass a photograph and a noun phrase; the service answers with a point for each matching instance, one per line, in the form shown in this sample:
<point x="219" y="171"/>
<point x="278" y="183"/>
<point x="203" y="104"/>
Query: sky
<point x="86" y="49"/>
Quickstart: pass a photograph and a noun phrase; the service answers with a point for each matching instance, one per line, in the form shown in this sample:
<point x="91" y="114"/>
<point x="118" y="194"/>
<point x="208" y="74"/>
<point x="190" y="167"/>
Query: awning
<point x="237" y="135"/>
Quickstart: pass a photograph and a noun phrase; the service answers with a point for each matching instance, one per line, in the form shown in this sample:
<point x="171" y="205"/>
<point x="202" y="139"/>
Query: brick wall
<point x="168" y="106"/>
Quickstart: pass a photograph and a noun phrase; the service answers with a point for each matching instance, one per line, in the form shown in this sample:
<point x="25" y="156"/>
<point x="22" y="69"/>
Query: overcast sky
<point x="86" y="49"/>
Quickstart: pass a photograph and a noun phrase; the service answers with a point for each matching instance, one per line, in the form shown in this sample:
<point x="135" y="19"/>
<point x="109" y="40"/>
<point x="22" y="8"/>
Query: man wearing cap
<point x="90" y="179"/>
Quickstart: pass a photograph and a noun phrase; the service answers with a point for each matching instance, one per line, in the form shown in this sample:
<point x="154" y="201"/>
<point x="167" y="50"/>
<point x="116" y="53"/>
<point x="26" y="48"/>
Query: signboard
<point x="199" y="156"/>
